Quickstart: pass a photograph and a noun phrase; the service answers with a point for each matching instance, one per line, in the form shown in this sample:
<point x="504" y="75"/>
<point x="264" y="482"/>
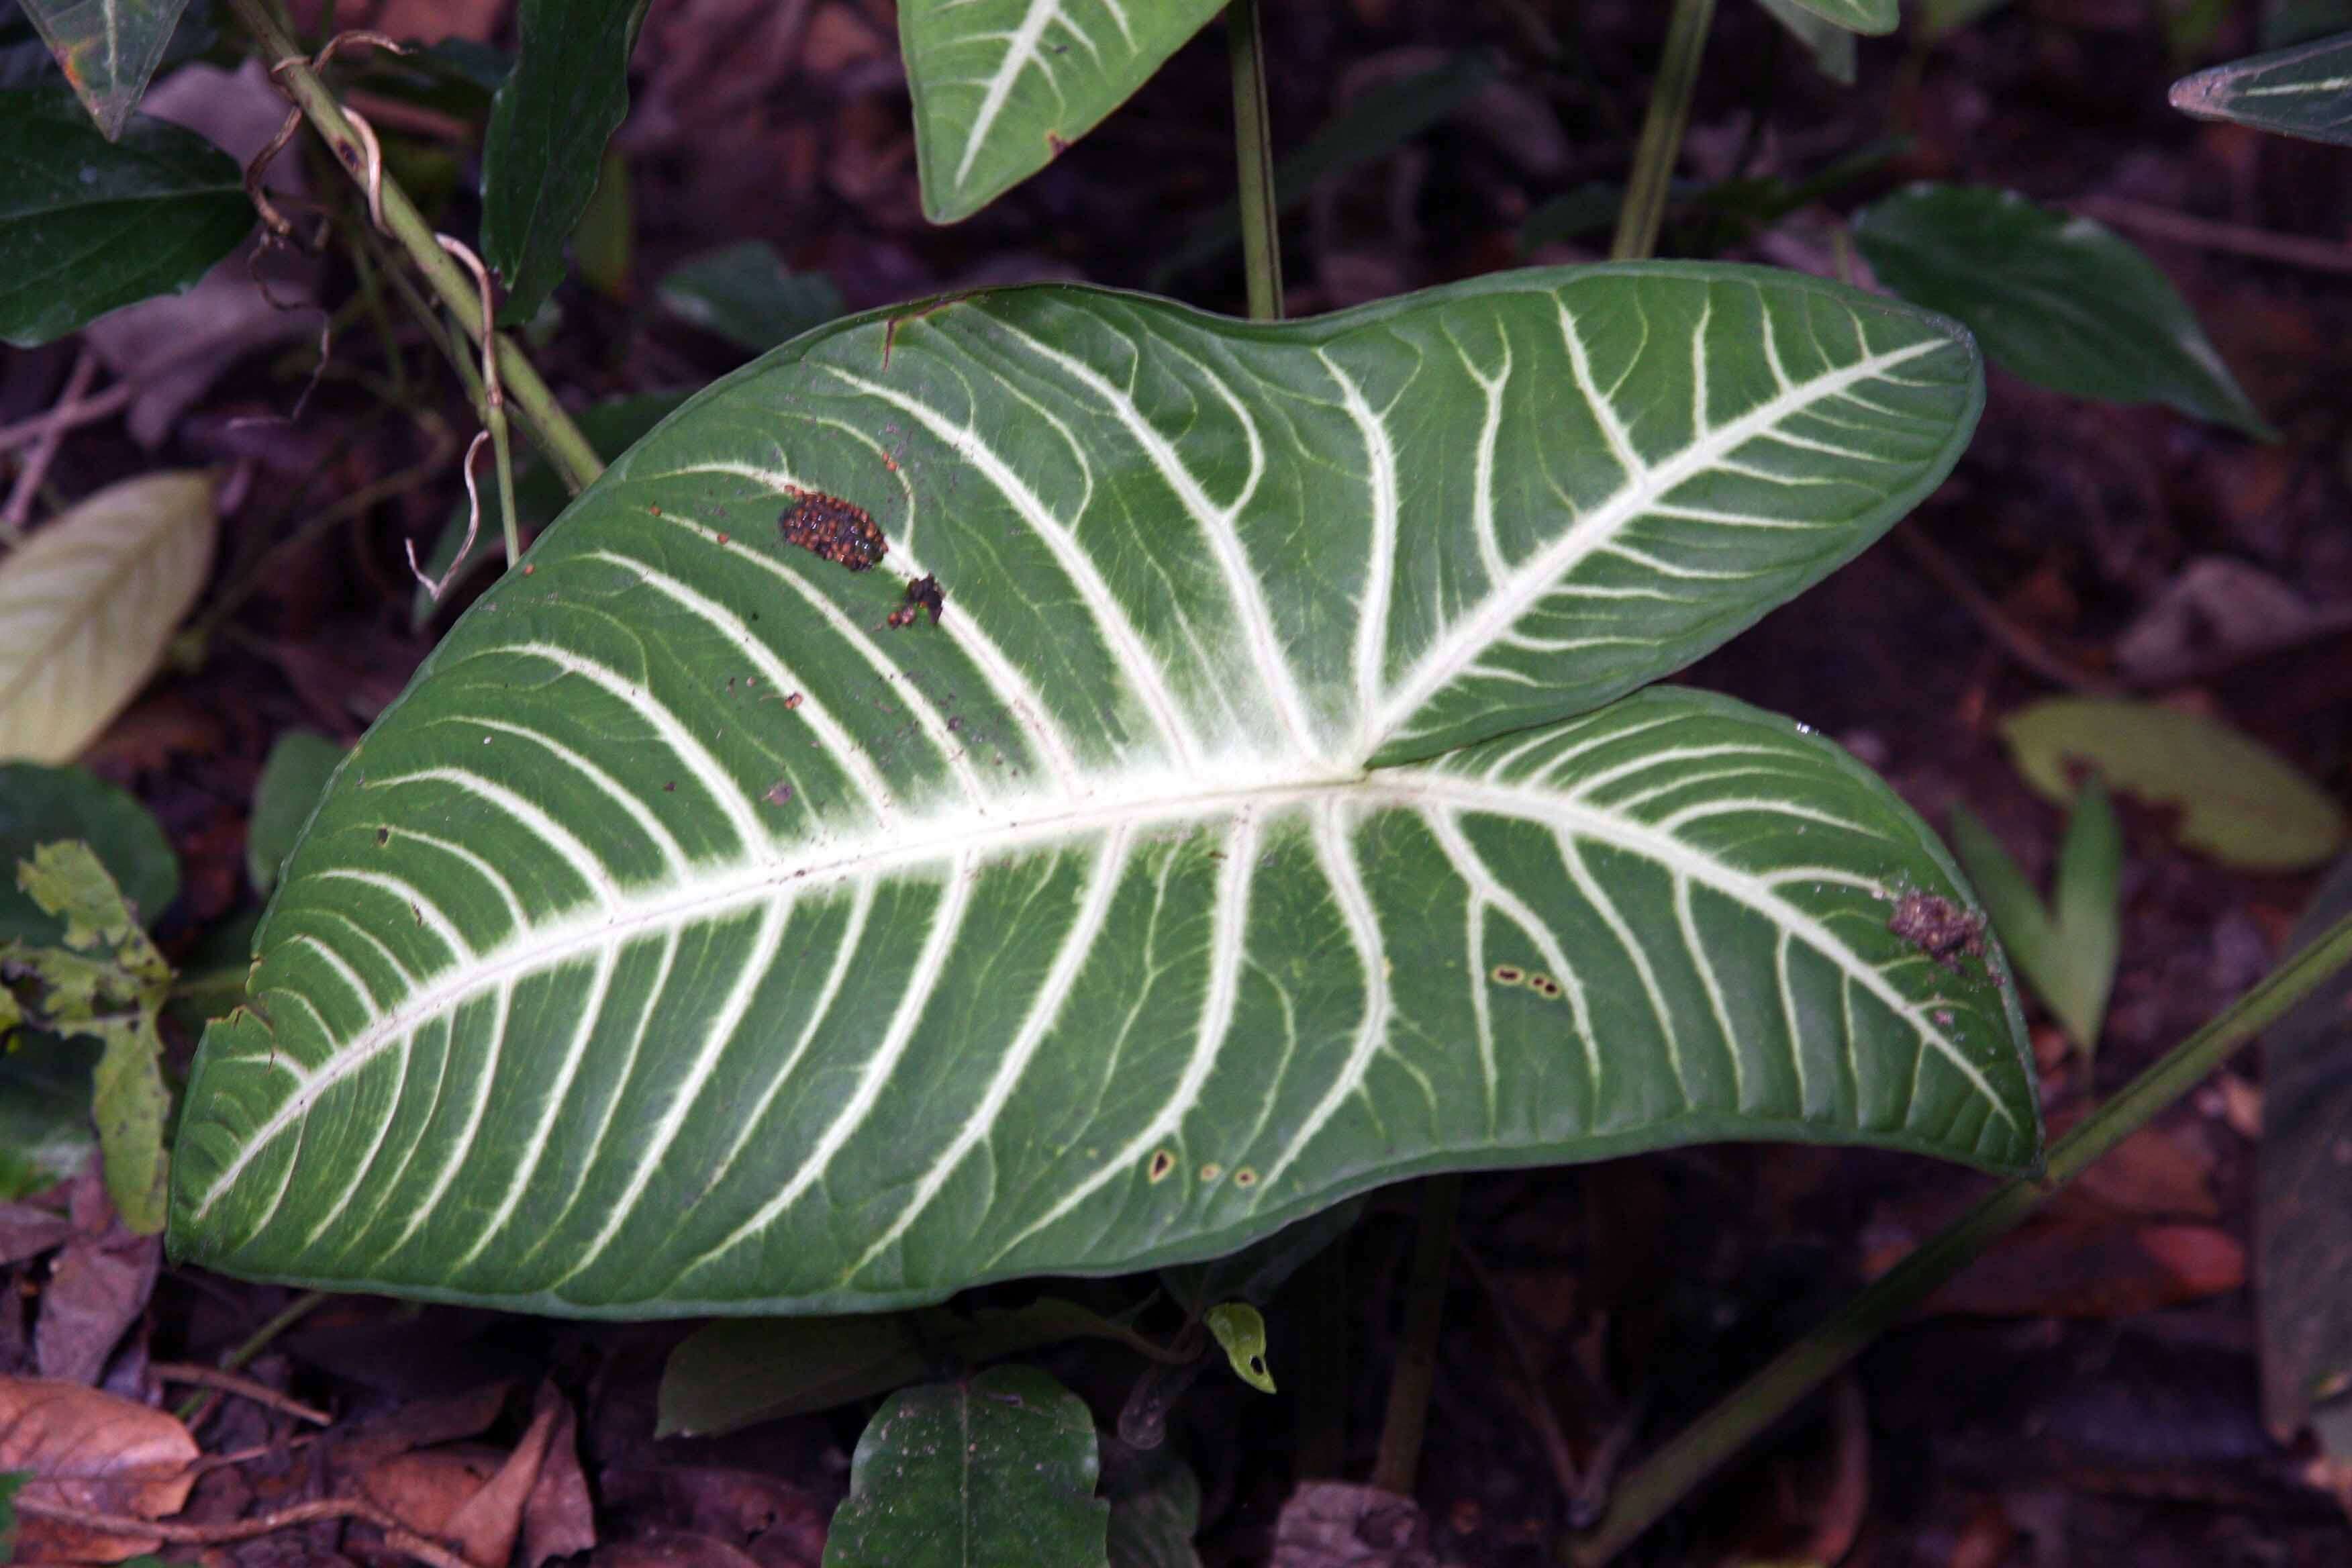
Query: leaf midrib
<point x="708" y="894"/>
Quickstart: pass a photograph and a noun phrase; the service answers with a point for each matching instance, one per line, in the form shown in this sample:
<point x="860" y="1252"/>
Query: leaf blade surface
<point x="692" y="937"/>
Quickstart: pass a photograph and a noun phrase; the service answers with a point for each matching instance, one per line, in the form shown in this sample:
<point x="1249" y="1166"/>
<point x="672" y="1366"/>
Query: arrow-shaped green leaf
<point x="2069" y="959"/>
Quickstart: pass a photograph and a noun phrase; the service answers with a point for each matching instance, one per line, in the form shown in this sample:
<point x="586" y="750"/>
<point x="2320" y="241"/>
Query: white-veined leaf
<point x="88" y="604"/>
<point x="2304" y="91"/>
<point x="1001" y="87"/>
<point x="690" y="938"/>
<point x="107" y="49"/>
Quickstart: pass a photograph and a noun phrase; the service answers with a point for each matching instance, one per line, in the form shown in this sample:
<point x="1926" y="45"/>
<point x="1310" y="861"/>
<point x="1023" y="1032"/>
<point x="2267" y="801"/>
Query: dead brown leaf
<point x="673" y="1549"/>
<point x="419" y="1424"/>
<point x="1336" y="1524"/>
<point x="771" y="1521"/>
<point x="92" y="1451"/>
<point x="2155" y="1172"/>
<point x="559" y="1518"/>
<point x="2071" y="1266"/>
<point x="424" y="1489"/>
<point x="97" y="1287"/>
<point x="27" y="1230"/>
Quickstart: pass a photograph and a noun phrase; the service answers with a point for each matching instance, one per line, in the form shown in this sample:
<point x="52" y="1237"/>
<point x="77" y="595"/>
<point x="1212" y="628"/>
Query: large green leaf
<point x="568" y="93"/>
<point x="2057" y="298"/>
<point x="689" y="938"/>
<point x="88" y="226"/>
<point x="1002" y="86"/>
<point x="2303" y="91"/>
<point x="107" y="49"/>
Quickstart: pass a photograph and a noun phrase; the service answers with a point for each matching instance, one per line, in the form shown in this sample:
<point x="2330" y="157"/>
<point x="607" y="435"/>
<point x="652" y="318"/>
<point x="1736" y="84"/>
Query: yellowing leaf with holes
<point x="86" y="604"/>
<point x="1054" y="782"/>
<point x="1001" y="87"/>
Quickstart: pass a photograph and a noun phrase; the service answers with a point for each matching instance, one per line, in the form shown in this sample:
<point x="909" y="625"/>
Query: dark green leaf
<point x="745" y="294"/>
<point x="2053" y="298"/>
<point x="735" y="1372"/>
<point x="10" y="1480"/>
<point x="612" y="427"/>
<point x="548" y="124"/>
<point x="2303" y="91"/>
<point x="300" y="762"/>
<point x="42" y="805"/>
<point x="997" y="1471"/>
<point x="2289" y="22"/>
<point x="44" y="1107"/>
<point x="1856" y="16"/>
<point x="605" y="242"/>
<point x="1155" y="1508"/>
<point x="2239" y="802"/>
<point x="88" y="226"/>
<point x="2302" y="1207"/>
<point x="107" y="49"/>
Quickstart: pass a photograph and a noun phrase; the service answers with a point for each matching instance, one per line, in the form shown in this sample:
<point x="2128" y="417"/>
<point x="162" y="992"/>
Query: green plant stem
<point x="1398" y="1460"/>
<point x="1254" y="145"/>
<point x="504" y="452"/>
<point x="1674" y="1471"/>
<point x="1661" y="145"/>
<point x="551" y="428"/>
<point x="293" y="1312"/>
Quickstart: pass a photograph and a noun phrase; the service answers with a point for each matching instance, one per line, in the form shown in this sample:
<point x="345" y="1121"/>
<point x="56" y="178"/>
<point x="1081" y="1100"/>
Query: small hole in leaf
<point x="1162" y="1161"/>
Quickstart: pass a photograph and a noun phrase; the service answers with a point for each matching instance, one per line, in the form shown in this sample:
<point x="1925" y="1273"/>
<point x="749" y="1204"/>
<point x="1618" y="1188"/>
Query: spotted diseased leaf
<point x="1259" y="823"/>
<point x="1001" y="87"/>
<point x="2303" y="91"/>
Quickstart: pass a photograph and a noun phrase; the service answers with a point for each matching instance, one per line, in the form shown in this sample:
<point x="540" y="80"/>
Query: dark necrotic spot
<point x="1162" y="1161"/>
<point x="1508" y="975"/>
<point x="828" y="526"/>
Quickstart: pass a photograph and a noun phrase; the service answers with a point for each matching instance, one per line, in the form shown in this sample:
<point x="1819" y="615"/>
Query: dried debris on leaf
<point x="922" y="594"/>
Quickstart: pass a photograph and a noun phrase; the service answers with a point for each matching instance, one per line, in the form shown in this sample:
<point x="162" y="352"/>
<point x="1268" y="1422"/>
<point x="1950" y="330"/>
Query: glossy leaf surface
<point x="1001" y="87"/>
<point x="2059" y="299"/>
<point x="2303" y="91"/>
<point x="1253" y="825"/>
<point x="88" y="226"/>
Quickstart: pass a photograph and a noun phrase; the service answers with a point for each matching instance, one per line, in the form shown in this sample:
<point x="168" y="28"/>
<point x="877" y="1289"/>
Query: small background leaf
<point x="43" y="805"/>
<point x="997" y="1469"/>
<point x="107" y="49"/>
<point x="2069" y="957"/>
<point x="88" y="604"/>
<point x="1831" y="46"/>
<point x="44" y="1127"/>
<point x="1856" y="16"/>
<point x="88" y="226"/>
<point x="2053" y="298"/>
<point x="299" y="764"/>
<point x="548" y="124"/>
<point x="1241" y="1333"/>
<point x="2303" y="1210"/>
<point x="2241" y="802"/>
<point x="2303" y="91"/>
<point x="747" y="295"/>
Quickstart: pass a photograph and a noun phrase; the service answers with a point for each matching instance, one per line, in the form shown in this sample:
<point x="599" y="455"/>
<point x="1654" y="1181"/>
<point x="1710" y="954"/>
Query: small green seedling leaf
<point x="746" y="294"/>
<point x="1831" y="46"/>
<point x="2305" y="91"/>
<point x="1241" y="1331"/>
<point x="568" y="93"/>
<point x="2069" y="960"/>
<point x="107" y="49"/>
<point x="2240" y="802"/>
<point x="10" y="1481"/>
<point x="734" y="1372"/>
<point x="995" y="1470"/>
<point x="2053" y="298"/>
<point x="299" y="764"/>
<point x="42" y="805"/>
<point x="88" y="226"/>
<point x="88" y="602"/>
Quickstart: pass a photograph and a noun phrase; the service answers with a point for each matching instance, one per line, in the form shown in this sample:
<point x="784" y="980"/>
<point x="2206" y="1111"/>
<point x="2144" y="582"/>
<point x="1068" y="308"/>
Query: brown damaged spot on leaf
<point x="836" y="530"/>
<point x="1938" y="927"/>
<point x="778" y="793"/>
<point x="1057" y="142"/>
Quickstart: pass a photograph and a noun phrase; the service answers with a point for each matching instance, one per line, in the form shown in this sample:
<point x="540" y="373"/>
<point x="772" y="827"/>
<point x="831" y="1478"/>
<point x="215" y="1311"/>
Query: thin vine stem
<point x="1398" y="1461"/>
<point x="568" y="451"/>
<point x="1661" y="145"/>
<point x="1254" y="147"/>
<point x="1672" y="1473"/>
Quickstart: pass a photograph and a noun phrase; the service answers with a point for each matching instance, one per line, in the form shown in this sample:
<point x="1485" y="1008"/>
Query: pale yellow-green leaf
<point x="88" y="604"/>
<point x="1241" y="1330"/>
<point x="2239" y="802"/>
